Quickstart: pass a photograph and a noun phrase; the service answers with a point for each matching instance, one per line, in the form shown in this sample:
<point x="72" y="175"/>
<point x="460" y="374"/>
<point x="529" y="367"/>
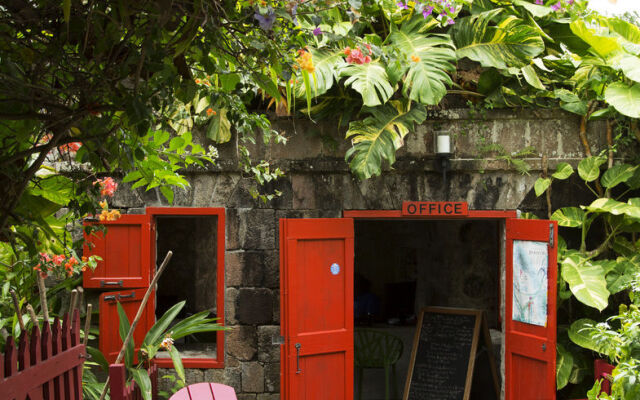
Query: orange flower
<point x="211" y="111"/>
<point x="415" y="58"/>
<point x="198" y="81"/>
<point x="104" y="204"/>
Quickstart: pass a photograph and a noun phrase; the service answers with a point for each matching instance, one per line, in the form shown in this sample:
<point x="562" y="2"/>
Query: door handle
<point x="544" y="347"/>
<point x="298" y="370"/>
<point x="110" y="283"/>
<point x="111" y="297"/>
<point x="127" y="296"/>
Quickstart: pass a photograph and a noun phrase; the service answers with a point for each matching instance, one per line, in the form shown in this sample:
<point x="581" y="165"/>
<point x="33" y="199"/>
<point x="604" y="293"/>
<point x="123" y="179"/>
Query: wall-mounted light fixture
<point x="443" y="154"/>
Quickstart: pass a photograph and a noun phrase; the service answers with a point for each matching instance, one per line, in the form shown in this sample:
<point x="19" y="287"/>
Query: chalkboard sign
<point x="444" y="353"/>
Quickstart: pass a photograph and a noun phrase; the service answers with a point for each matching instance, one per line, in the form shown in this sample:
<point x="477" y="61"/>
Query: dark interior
<point x="191" y="275"/>
<point x="402" y="266"/>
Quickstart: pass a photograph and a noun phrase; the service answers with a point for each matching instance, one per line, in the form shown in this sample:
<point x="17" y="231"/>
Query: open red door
<point x="530" y="312"/>
<point x="316" y="278"/>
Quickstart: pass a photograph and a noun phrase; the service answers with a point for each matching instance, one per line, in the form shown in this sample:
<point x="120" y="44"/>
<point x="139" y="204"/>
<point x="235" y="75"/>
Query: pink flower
<point x="356" y="56"/>
<point x="107" y="186"/>
<point x="58" y="259"/>
<point x="45" y="257"/>
<point x="427" y="11"/>
<point x="317" y="31"/>
<point x="539" y="2"/>
<point x="402" y="6"/>
<point x="556" y="7"/>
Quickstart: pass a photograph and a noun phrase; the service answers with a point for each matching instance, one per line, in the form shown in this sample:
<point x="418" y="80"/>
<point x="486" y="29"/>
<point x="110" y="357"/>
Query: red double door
<point x="316" y="273"/>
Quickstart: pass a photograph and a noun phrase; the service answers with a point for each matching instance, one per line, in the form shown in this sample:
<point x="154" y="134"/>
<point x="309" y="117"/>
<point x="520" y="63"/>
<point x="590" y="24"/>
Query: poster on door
<point x="530" y="266"/>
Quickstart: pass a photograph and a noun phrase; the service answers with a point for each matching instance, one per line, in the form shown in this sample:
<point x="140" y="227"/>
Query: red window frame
<point x="152" y="212"/>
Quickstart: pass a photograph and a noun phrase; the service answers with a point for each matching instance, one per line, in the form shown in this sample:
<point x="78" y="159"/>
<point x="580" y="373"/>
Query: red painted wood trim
<point x="218" y="360"/>
<point x="388" y="214"/>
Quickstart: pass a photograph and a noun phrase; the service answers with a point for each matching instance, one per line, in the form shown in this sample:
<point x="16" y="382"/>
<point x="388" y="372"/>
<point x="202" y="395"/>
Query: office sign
<point x="435" y="208"/>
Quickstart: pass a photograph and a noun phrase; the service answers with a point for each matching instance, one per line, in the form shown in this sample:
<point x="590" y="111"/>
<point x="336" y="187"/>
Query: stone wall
<point x="318" y="184"/>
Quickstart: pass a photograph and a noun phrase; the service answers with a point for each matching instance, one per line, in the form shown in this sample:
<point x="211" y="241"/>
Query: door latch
<point x="298" y="370"/>
<point x="111" y="283"/>
<point x="551" y="235"/>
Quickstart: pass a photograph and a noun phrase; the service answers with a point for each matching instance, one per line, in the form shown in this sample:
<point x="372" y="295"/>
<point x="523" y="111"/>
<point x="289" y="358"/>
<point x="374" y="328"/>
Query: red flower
<point x="58" y="259"/>
<point x="107" y="186"/>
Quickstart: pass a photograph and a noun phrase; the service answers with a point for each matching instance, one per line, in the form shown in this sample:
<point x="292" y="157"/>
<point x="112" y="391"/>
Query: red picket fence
<point x="45" y="365"/>
<point x="119" y="389"/>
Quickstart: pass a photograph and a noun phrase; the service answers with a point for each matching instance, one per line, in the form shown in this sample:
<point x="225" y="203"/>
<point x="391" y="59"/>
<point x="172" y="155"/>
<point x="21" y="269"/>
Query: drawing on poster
<point x="530" y="264"/>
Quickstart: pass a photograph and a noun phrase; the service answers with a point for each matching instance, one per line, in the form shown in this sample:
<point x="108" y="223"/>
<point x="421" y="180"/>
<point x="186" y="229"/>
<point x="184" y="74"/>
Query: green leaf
<point x="327" y="63"/>
<point x="563" y="171"/>
<point x="589" y="168"/>
<point x="156" y="332"/>
<point x="124" y="330"/>
<point x="219" y="129"/>
<point x="579" y="333"/>
<point x="531" y="77"/>
<point x="630" y="66"/>
<point x="622" y="275"/>
<point x="167" y="192"/>
<point x="430" y="58"/>
<point x="603" y="44"/>
<point x="535" y="9"/>
<point x="606" y="205"/>
<point x="144" y="382"/>
<point x="267" y="84"/>
<point x="571" y="217"/>
<point x="370" y="80"/>
<point x="98" y="357"/>
<point x="617" y="174"/>
<point x="569" y="101"/>
<point x="510" y="43"/>
<point x="56" y="188"/>
<point x="625" y="99"/>
<point x="586" y="281"/>
<point x="564" y="366"/>
<point x="177" y="362"/>
<point x="542" y="184"/>
<point x="378" y="136"/>
<point x="229" y="81"/>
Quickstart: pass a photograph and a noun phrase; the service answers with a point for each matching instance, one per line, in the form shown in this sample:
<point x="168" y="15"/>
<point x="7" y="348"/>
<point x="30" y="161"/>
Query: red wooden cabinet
<point x="125" y="251"/>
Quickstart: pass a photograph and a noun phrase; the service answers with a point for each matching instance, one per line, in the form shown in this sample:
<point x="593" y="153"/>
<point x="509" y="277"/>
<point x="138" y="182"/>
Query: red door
<point x="125" y="250"/>
<point x="530" y="312"/>
<point x="316" y="272"/>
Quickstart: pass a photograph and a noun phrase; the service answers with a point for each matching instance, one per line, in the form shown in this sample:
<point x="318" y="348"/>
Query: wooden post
<point x="16" y="305"/>
<point x="32" y="315"/>
<point x="87" y="324"/>
<point x="43" y="297"/>
<point x="143" y="304"/>
<point x="73" y="302"/>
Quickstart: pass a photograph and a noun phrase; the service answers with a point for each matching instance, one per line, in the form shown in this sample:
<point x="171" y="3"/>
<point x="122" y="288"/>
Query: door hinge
<point x="551" y="235"/>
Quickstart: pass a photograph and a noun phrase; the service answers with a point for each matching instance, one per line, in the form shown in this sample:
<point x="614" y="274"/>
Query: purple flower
<point x="451" y="21"/>
<point x="539" y="2"/>
<point x="556" y="7"/>
<point x="427" y="11"/>
<point x="570" y="2"/>
<point x="402" y="5"/>
<point x="266" y="21"/>
<point x="317" y="31"/>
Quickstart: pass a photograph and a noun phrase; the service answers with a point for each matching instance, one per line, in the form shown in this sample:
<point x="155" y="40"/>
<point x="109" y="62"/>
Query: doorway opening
<point x="401" y="266"/>
<point x="192" y="276"/>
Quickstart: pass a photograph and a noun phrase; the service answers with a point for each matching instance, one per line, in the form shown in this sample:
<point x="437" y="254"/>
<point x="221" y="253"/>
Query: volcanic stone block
<point x="254" y="306"/>
<point x="241" y="342"/>
<point x="267" y="351"/>
<point x="252" y="377"/>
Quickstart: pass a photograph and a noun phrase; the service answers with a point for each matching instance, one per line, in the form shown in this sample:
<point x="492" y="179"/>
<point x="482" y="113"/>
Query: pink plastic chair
<point x="205" y="391"/>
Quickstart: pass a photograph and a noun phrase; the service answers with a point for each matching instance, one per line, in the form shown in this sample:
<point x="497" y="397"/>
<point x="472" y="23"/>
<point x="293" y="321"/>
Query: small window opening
<point x="402" y="266"/>
<point x="190" y="276"/>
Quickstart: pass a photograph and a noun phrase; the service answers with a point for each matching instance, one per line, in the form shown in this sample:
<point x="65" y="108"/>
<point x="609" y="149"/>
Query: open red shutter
<point x="125" y="252"/>
<point x="109" y="339"/>
<point x="317" y="302"/>
<point x="530" y="312"/>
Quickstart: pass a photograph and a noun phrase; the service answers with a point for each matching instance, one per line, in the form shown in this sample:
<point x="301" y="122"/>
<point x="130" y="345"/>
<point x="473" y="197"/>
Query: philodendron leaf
<point x="630" y="66"/>
<point x="605" y="205"/>
<point x="569" y="101"/>
<point x="617" y="174"/>
<point x="124" y="330"/>
<point x="531" y="77"/>
<point x="563" y="171"/>
<point x="509" y="43"/>
<point x="219" y="129"/>
<point x="377" y="137"/>
<point x="624" y="98"/>
<point x="571" y="217"/>
<point x="541" y="185"/>
<point x="579" y="333"/>
<point x="589" y="168"/>
<point x="564" y="366"/>
<point x="370" y="80"/>
<point x="586" y="281"/>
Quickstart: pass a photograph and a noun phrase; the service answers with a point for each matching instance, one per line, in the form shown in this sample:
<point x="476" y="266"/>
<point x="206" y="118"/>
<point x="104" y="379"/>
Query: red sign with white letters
<point x="435" y="208"/>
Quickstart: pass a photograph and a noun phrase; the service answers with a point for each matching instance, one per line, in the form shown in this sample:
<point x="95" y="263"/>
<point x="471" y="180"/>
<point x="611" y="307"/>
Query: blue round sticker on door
<point x="335" y="269"/>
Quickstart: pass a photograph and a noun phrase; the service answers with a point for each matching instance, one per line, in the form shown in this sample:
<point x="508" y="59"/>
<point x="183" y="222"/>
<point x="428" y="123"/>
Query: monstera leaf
<point x="430" y="57"/>
<point x="327" y="64"/>
<point x="378" y="136"/>
<point x="370" y="80"/>
<point x="510" y="43"/>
